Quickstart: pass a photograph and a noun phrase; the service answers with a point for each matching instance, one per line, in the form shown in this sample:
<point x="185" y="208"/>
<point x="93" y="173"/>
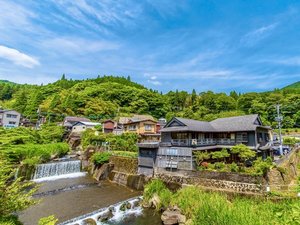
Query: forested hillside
<point x="110" y="97"/>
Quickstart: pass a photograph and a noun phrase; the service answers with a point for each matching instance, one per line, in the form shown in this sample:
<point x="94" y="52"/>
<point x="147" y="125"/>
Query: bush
<point x="99" y="158"/>
<point x="50" y="220"/>
<point x="234" y="167"/>
<point x="157" y="187"/>
<point x="219" y="165"/>
<point x="261" y="167"/>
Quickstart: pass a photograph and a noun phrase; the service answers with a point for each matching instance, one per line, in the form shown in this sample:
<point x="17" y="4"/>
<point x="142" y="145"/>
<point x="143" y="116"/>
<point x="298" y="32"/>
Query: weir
<point x="57" y="169"/>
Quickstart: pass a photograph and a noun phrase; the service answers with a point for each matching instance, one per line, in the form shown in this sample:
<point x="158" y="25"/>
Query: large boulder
<point x="173" y="217"/>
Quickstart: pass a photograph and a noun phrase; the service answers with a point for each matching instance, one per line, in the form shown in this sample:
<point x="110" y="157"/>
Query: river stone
<point x="112" y="209"/>
<point x="123" y="207"/>
<point x="105" y="216"/>
<point x="172" y="217"/>
<point x="89" y="221"/>
<point x="128" y="205"/>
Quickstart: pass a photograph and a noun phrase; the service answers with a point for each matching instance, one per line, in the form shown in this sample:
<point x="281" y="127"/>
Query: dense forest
<point x="111" y="96"/>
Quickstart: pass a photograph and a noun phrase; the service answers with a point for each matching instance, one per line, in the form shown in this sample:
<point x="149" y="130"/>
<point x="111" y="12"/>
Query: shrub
<point x="157" y="187"/>
<point x="50" y="220"/>
<point x="219" y="165"/>
<point x="234" y="167"/>
<point x="261" y="166"/>
<point x="99" y="158"/>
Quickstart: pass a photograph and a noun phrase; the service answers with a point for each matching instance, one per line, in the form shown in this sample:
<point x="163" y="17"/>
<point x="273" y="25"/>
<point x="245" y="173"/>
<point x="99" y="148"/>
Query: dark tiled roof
<point x="237" y="123"/>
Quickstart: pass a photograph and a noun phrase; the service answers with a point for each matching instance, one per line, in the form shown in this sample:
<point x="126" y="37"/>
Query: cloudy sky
<point x="164" y="44"/>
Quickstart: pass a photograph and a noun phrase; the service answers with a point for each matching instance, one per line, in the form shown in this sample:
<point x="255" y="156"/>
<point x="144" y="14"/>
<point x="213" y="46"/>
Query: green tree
<point x="223" y="154"/>
<point x="14" y="194"/>
<point x="201" y="156"/>
<point x="243" y="152"/>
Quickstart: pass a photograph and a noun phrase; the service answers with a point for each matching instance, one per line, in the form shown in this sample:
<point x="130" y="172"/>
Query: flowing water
<point x="57" y="169"/>
<point x="68" y="193"/>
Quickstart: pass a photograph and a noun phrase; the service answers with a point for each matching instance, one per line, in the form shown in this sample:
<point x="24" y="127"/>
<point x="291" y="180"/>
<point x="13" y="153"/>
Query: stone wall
<point x="233" y="182"/>
<point x="132" y="181"/>
<point x="124" y="164"/>
<point x="281" y="177"/>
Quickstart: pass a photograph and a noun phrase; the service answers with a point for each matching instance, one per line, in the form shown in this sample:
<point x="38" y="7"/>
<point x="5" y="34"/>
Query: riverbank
<point x="73" y="197"/>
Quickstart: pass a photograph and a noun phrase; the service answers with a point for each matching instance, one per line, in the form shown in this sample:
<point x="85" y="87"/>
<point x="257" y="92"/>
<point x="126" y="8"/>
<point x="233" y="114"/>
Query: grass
<point x="209" y="208"/>
<point x="35" y="153"/>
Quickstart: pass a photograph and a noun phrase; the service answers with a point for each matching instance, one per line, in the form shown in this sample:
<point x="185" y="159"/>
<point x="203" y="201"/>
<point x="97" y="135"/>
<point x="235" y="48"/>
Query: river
<point x="69" y="198"/>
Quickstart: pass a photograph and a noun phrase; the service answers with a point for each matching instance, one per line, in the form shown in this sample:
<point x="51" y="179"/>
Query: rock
<point x="112" y="209"/>
<point x="105" y="216"/>
<point x="128" y="205"/>
<point x="154" y="201"/>
<point x="136" y="203"/>
<point x="123" y="207"/>
<point x="146" y="204"/>
<point x="89" y="221"/>
<point x="172" y="217"/>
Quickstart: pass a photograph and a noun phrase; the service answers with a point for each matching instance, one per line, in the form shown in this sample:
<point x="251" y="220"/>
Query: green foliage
<point x="157" y="187"/>
<point x="35" y="153"/>
<point x="50" y="220"/>
<point x="234" y="167"/>
<point x="220" y="154"/>
<point x="243" y="152"/>
<point x="201" y="156"/>
<point x="99" y="158"/>
<point x="125" y="154"/>
<point x="290" y="141"/>
<point x="14" y="194"/>
<point x="9" y="220"/>
<point x="111" y="96"/>
<point x="208" y="208"/>
<point x="123" y="142"/>
<point x="261" y="166"/>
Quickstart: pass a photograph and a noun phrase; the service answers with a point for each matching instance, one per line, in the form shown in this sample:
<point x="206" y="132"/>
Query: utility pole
<point x="279" y="120"/>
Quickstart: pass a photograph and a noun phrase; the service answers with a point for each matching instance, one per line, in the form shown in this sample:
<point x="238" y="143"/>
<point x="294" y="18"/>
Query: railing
<point x="202" y="142"/>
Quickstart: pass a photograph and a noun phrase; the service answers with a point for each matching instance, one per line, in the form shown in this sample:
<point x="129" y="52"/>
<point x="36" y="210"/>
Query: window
<point x="11" y="122"/>
<point x="171" y="151"/>
<point x="11" y="116"/>
<point x="132" y="127"/>
<point x="148" y="127"/>
<point x="242" y="137"/>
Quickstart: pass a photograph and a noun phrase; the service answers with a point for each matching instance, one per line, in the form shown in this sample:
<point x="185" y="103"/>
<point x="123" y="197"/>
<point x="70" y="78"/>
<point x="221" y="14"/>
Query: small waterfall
<point x="56" y="169"/>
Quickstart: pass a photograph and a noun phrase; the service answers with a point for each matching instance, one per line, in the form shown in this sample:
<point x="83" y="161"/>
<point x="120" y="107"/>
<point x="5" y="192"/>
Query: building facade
<point x="9" y="118"/>
<point x="180" y="138"/>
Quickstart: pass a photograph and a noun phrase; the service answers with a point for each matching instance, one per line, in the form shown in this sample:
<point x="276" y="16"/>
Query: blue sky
<point x="163" y="44"/>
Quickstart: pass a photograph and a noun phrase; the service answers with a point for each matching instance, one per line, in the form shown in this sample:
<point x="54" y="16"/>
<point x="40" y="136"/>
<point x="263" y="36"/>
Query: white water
<point x="118" y="214"/>
<point x="50" y="171"/>
<point x="63" y="176"/>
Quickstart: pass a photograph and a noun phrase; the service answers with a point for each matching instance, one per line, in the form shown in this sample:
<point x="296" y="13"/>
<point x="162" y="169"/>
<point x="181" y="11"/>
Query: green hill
<point x="293" y="86"/>
<point x="111" y="96"/>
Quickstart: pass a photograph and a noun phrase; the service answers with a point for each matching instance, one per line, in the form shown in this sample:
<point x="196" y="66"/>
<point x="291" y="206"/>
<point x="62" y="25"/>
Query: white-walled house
<point x="9" y="118"/>
<point x="82" y="126"/>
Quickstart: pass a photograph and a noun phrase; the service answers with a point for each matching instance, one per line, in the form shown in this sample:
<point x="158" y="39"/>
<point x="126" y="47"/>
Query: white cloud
<point x="259" y="34"/>
<point x="18" y="57"/>
<point x="78" y="45"/>
<point x="154" y="82"/>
